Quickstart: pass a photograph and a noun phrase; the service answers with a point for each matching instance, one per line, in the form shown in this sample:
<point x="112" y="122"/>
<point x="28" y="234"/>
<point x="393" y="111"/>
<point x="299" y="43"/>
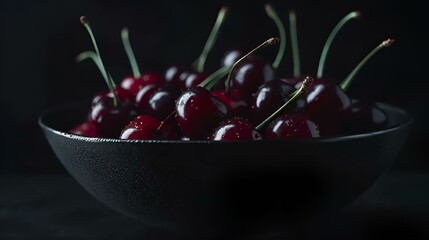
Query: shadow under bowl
<point x="212" y="187"/>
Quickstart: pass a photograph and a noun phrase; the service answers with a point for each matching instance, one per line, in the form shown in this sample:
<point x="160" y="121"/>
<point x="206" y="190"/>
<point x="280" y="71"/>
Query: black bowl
<point x="222" y="187"/>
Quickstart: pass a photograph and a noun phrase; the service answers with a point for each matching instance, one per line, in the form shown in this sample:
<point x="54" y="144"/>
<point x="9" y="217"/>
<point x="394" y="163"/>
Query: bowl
<point x="222" y="187"/>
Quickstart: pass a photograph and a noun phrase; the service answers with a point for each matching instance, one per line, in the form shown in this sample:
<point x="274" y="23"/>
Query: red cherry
<point x="198" y="112"/>
<point x="366" y="117"/>
<point x="134" y="84"/>
<point x="292" y="126"/>
<point x="235" y="129"/>
<point x="86" y="129"/>
<point x="143" y="96"/>
<point x="237" y="105"/>
<point x="147" y="127"/>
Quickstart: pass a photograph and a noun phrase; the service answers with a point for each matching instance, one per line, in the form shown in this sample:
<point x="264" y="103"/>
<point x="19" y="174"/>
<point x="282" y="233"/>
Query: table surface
<point x="54" y="206"/>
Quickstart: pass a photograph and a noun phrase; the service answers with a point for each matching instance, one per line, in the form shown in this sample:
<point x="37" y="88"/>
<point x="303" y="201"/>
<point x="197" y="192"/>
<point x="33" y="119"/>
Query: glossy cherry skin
<point x="198" y="112"/>
<point x="133" y="84"/>
<point x="143" y="96"/>
<point x="230" y="57"/>
<point x="237" y="105"/>
<point x="328" y="106"/>
<point x="162" y="102"/>
<point x="269" y="97"/>
<point x="175" y="77"/>
<point x="234" y="129"/>
<point x="193" y="79"/>
<point x="366" y="117"/>
<point x="250" y="74"/>
<point x="86" y="129"/>
<point x="147" y="127"/>
<point x="109" y="120"/>
<point x="292" y="126"/>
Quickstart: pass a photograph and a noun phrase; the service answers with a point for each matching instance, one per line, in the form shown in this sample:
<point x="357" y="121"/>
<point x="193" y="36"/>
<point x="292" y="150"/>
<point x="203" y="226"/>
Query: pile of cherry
<point x="242" y="100"/>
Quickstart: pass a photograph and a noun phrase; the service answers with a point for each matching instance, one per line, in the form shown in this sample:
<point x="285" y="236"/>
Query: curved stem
<point x="269" y="42"/>
<point x="348" y="80"/>
<point x="305" y="84"/>
<point x="201" y="60"/>
<point x="337" y="28"/>
<point x="99" y="62"/>
<point x="294" y="43"/>
<point x="280" y="27"/>
<point x="130" y="53"/>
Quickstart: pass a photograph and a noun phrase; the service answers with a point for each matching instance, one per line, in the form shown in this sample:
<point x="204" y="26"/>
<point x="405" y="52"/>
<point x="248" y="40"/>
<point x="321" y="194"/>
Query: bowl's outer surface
<point x="223" y="185"/>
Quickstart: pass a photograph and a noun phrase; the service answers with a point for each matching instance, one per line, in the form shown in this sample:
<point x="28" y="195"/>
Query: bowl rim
<point x="407" y="122"/>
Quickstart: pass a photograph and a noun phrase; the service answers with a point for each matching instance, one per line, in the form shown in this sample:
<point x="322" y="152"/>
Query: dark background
<point x="40" y="40"/>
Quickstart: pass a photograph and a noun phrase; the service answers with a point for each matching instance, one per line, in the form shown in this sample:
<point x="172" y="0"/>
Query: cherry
<point x="137" y="80"/>
<point x="147" y="127"/>
<point x="235" y="129"/>
<point x="143" y="96"/>
<point x="122" y="95"/>
<point x="193" y="79"/>
<point x="175" y="76"/>
<point x="108" y="118"/>
<point x="85" y="129"/>
<point x="247" y="75"/>
<point x="237" y="105"/>
<point x="198" y="112"/>
<point x="269" y="97"/>
<point x="230" y="57"/>
<point x="162" y="102"/>
<point x="366" y="117"/>
<point x="290" y="126"/>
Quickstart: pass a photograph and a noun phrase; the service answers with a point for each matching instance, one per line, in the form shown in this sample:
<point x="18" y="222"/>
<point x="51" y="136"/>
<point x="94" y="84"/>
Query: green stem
<point x="280" y="27"/>
<point x="347" y="81"/>
<point x="201" y="60"/>
<point x="106" y="75"/>
<point x="130" y="52"/>
<point x="211" y="80"/>
<point x="305" y="84"/>
<point x="269" y="42"/>
<point x="294" y="43"/>
<point x="337" y="28"/>
<point x="94" y="57"/>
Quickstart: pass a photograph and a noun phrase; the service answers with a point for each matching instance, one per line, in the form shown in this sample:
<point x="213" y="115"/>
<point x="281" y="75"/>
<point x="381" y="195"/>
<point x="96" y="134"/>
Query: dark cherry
<point x="236" y="128"/>
<point x="366" y="117"/>
<point x="147" y="127"/>
<point x="193" y="79"/>
<point x="198" y="112"/>
<point x="237" y="105"/>
<point x="250" y="74"/>
<point x="134" y="84"/>
<point x="269" y="97"/>
<point x="143" y="96"/>
<point x="162" y="102"/>
<point x="230" y="57"/>
<point x="175" y="77"/>
<point x="292" y="126"/>
<point x="86" y="129"/>
<point x="328" y="106"/>
<point x="108" y="119"/>
<point x="122" y="94"/>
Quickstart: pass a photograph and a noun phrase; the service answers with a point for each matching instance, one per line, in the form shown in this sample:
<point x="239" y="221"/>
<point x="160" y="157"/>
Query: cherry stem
<point x="328" y="43"/>
<point x="201" y="60"/>
<point x="269" y="42"/>
<point x="305" y="84"/>
<point x="294" y="43"/>
<point x="280" y="27"/>
<point x="110" y="83"/>
<point x="211" y="80"/>
<point x="348" y="80"/>
<point x="130" y="52"/>
<point x="165" y="120"/>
